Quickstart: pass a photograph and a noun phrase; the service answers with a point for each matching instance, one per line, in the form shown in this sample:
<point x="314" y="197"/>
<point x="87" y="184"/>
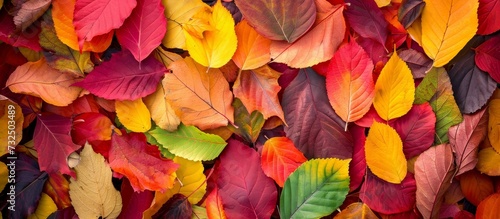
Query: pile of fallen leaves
<point x="250" y="108"/>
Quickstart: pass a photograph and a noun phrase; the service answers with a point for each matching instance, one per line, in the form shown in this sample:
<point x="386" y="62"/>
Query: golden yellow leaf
<point x="494" y="124"/>
<point x="384" y="153"/>
<point x="92" y="193"/>
<point x="40" y="80"/>
<point x="178" y="13"/>
<point x="199" y="23"/>
<point x="253" y="49"/>
<point x="4" y="175"/>
<point x="133" y="114"/>
<point x="217" y="46"/>
<point x="488" y="160"/>
<point x="415" y="30"/>
<point x="161" y="111"/>
<point x="46" y="207"/>
<point x="382" y="3"/>
<point x="447" y="25"/>
<point x="30" y="55"/>
<point x="11" y="115"/>
<point x="357" y="210"/>
<point x="394" y="89"/>
<point x="165" y="56"/>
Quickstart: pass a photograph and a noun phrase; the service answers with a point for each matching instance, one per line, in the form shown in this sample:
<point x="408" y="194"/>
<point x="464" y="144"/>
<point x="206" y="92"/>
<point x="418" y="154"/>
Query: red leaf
<point x="416" y="129"/>
<point x="280" y="158"/>
<point x="488" y="16"/>
<point x="388" y="198"/>
<point x="488" y="56"/>
<point x="367" y="20"/>
<point x="53" y="143"/>
<point x="29" y="39"/>
<point x="313" y="126"/>
<point x="176" y="207"/>
<point x="143" y="31"/>
<point x="57" y="187"/>
<point x="81" y="105"/>
<point x="465" y="139"/>
<point x="141" y="163"/>
<point x="378" y="53"/>
<point x="134" y="203"/>
<point x="96" y="17"/>
<point x="123" y="78"/>
<point x="357" y="167"/>
<point x="91" y="127"/>
<point x="245" y="191"/>
<point x="463" y="214"/>
<point x="476" y="186"/>
<point x="368" y="119"/>
<point x="214" y="205"/>
<point x="433" y="172"/>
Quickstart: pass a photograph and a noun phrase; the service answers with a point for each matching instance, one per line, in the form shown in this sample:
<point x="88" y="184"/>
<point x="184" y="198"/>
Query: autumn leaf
<point x="488" y="160"/>
<point x="418" y="62"/>
<point x="46" y="207"/>
<point x="253" y="49"/>
<point x="489" y="22"/>
<point x="12" y="116"/>
<point x="487" y="208"/>
<point x="161" y="111"/>
<point x="445" y="34"/>
<point x="246" y="125"/>
<point x="476" y="186"/>
<point x="214" y="205"/>
<point x="487" y="57"/>
<point x="367" y="20"/>
<point x="178" y="14"/>
<point x="4" y="175"/>
<point x="356" y="210"/>
<point x="92" y="193"/>
<point x="91" y="127"/>
<point x="493" y="124"/>
<point x="134" y="115"/>
<point x="280" y="158"/>
<point x="29" y="11"/>
<point x="394" y="89"/>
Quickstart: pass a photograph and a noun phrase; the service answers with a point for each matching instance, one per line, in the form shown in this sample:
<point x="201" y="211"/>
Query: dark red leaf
<point x="417" y="61"/>
<point x="9" y="35"/>
<point x="378" y="53"/>
<point x="366" y="18"/>
<point x="488" y="56"/>
<point x="357" y="167"/>
<point x="463" y="214"/>
<point x="245" y="191"/>
<point x="176" y="207"/>
<point x="66" y="213"/>
<point x="91" y="127"/>
<point x="313" y="125"/>
<point x="488" y="16"/>
<point x="409" y="11"/>
<point x="84" y="104"/>
<point x="367" y="120"/>
<point x="134" y="203"/>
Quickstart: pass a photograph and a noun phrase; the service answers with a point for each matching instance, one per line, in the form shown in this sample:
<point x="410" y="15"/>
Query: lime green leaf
<point x="315" y="189"/>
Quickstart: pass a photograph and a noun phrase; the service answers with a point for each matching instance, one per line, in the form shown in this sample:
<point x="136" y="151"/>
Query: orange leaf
<point x="488" y="208"/>
<point x="280" y="158"/>
<point x="213" y="203"/>
<point x="258" y="90"/>
<point x="318" y="44"/>
<point x="40" y="80"/>
<point x="349" y="82"/>
<point x="476" y="186"/>
<point x="253" y="49"/>
<point x="356" y="210"/>
<point x="199" y="96"/>
<point x="384" y="153"/>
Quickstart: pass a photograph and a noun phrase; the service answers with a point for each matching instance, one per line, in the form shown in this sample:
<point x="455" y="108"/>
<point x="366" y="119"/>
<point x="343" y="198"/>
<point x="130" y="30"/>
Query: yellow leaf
<point x="253" y="49"/>
<point x="30" y="55"/>
<point x="162" y="112"/>
<point x="382" y="3"/>
<point x="357" y="210"/>
<point x="384" y="153"/>
<point x="134" y="115"/>
<point x="4" y="175"/>
<point x="394" y="90"/>
<point x="447" y="25"/>
<point x="166" y="57"/>
<point x="92" y="193"/>
<point x="199" y="23"/>
<point x="216" y="47"/>
<point x="494" y="124"/>
<point x="12" y="118"/>
<point x="488" y="160"/>
<point x="46" y="207"/>
<point x="178" y="13"/>
<point x="415" y="31"/>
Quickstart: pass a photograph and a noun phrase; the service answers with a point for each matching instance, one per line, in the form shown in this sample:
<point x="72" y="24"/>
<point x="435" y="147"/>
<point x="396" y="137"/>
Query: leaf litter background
<point x="252" y="109"/>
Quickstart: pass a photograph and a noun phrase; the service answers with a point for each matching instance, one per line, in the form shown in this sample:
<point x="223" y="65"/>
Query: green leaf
<point x="436" y="89"/>
<point x="248" y="125"/>
<point x="190" y="143"/>
<point x="315" y="189"/>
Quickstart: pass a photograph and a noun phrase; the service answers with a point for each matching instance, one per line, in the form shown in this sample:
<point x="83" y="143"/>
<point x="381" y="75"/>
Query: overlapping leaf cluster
<point x="251" y="109"/>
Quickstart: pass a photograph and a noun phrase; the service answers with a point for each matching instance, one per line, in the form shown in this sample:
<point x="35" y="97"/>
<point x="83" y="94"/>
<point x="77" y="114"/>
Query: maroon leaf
<point x="409" y="11"/>
<point x="488" y="16"/>
<point x="8" y="34"/>
<point x="143" y="31"/>
<point x="376" y="50"/>
<point x="433" y="173"/>
<point x="465" y="139"/>
<point x="488" y="56"/>
<point x="357" y="166"/>
<point x="134" y="203"/>
<point x="53" y="143"/>
<point x="418" y="62"/>
<point x="66" y="213"/>
<point x="245" y="191"/>
<point x="388" y="198"/>
<point x="471" y="87"/>
<point x="416" y="129"/>
<point x="366" y="18"/>
<point x="177" y="207"/>
<point x="313" y="126"/>
<point x="123" y="78"/>
<point x="29" y="12"/>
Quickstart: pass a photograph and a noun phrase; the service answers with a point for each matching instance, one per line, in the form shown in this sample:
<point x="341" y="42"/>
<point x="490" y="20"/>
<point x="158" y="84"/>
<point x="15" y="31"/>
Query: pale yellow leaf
<point x="92" y="193"/>
<point x="133" y="114"/>
<point x="161" y="111"/>
<point x="447" y="25"/>
<point x="46" y="207"/>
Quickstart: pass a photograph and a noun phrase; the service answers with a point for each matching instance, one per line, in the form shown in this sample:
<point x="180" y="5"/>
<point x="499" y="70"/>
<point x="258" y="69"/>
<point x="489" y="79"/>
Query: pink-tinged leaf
<point x="131" y="156"/>
<point x="143" y="31"/>
<point x="433" y="173"/>
<point x="134" y="203"/>
<point x="449" y="210"/>
<point x="416" y="129"/>
<point x="349" y="82"/>
<point x="366" y="18"/>
<point x="357" y="166"/>
<point x="488" y="16"/>
<point x="29" y="12"/>
<point x="53" y="143"/>
<point x="313" y="126"/>
<point x="9" y="35"/>
<point x="418" y="62"/>
<point x="388" y="198"/>
<point x="123" y="78"/>
<point x="368" y="119"/>
<point x="465" y="139"/>
<point x="280" y="158"/>
<point x="96" y="17"/>
<point x="245" y="191"/>
<point x="488" y="55"/>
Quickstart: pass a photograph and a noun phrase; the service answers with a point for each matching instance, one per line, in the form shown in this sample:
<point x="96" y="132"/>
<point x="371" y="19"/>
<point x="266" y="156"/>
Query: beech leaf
<point x="134" y="115"/>
<point x="356" y="210"/>
<point x="179" y="13"/>
<point x="367" y="20"/>
<point x="253" y="49"/>
<point x="11" y="112"/>
<point x="476" y="186"/>
<point x="280" y="158"/>
<point x="494" y="124"/>
<point x="29" y="12"/>
<point x="246" y="125"/>
<point x="488" y="56"/>
<point x="488" y="207"/>
<point x="488" y="160"/>
<point x="161" y="111"/>
<point x="489" y="22"/>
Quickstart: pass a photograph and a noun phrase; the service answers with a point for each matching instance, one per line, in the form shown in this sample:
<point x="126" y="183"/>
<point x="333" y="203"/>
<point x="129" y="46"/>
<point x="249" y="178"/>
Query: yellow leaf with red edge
<point x="133" y="114"/>
<point x="494" y="124"/>
<point x="447" y="25"/>
<point x="384" y="153"/>
<point x="217" y="46"/>
<point x="488" y="160"/>
<point x="318" y="44"/>
<point x="46" y="207"/>
<point x="280" y="158"/>
<point x="62" y="14"/>
<point x="40" y="80"/>
<point x="394" y="89"/>
<point x="253" y="49"/>
<point x="213" y="203"/>
<point x="161" y="111"/>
